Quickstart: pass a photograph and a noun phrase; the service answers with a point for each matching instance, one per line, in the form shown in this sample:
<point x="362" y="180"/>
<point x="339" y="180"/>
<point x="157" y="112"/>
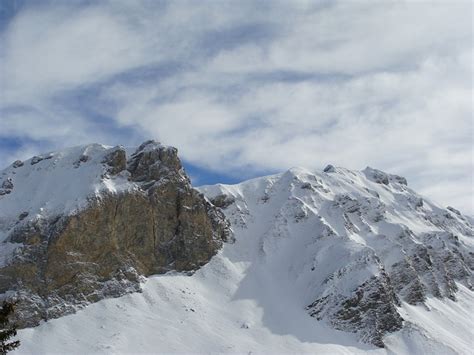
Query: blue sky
<point x="245" y="88"/>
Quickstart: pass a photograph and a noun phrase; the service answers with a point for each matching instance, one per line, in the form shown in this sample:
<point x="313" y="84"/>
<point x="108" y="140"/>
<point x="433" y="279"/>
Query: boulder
<point x="329" y="169"/>
<point x="17" y="164"/>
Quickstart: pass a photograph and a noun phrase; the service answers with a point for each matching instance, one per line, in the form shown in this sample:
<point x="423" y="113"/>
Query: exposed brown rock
<point x="103" y="250"/>
<point x="116" y="160"/>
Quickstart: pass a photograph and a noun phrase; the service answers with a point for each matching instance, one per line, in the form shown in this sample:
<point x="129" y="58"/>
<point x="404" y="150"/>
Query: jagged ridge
<point x="355" y="243"/>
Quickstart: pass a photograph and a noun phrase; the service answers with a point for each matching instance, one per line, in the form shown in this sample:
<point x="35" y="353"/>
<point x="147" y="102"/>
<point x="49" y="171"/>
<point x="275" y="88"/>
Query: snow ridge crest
<point x="354" y="244"/>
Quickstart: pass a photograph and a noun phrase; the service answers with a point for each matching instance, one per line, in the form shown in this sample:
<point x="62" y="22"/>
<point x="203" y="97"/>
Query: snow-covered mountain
<point x="350" y="246"/>
<point x="336" y="261"/>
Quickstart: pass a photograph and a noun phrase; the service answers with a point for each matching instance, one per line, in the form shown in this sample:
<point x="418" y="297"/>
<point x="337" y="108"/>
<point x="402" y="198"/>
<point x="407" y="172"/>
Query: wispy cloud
<point x="254" y="86"/>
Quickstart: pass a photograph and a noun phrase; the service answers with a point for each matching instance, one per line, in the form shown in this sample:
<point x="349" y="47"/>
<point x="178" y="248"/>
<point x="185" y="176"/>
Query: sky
<point x="248" y="88"/>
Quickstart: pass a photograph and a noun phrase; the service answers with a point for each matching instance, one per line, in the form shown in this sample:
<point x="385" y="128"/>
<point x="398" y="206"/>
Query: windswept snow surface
<point x="251" y="297"/>
<point x="52" y="183"/>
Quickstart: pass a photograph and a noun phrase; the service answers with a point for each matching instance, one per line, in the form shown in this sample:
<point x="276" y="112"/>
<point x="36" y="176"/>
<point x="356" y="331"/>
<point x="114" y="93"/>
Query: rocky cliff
<point x="88" y="223"/>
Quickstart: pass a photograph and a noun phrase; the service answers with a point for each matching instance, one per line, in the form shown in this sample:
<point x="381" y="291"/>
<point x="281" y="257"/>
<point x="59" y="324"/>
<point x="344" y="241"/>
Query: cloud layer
<point x="249" y="87"/>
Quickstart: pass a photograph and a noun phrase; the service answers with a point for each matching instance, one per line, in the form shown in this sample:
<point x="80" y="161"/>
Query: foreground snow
<point x="223" y="308"/>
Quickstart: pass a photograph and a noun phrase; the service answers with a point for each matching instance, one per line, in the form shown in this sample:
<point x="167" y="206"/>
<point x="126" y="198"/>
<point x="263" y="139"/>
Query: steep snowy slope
<point x="323" y="262"/>
<point x="351" y="246"/>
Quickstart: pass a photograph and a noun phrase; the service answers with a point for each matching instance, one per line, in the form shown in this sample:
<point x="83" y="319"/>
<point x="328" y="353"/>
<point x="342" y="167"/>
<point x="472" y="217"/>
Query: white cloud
<point x="259" y="86"/>
<point x="50" y="51"/>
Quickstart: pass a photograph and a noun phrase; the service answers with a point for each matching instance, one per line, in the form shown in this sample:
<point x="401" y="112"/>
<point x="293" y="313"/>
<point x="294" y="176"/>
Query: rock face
<point x="355" y="244"/>
<point x="370" y="309"/>
<point x="156" y="224"/>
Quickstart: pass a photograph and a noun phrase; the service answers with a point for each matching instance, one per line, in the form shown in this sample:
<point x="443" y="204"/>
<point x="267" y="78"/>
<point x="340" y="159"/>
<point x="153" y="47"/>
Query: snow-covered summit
<point x="352" y="245"/>
<point x="62" y="182"/>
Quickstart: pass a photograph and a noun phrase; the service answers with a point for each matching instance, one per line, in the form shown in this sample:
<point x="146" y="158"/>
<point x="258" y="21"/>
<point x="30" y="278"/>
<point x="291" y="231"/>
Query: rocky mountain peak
<point x="151" y="161"/>
<point x="89" y="222"/>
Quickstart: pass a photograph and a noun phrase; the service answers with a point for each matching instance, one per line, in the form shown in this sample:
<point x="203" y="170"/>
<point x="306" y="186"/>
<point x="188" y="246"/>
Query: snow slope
<point x="300" y="236"/>
<point x="206" y="313"/>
